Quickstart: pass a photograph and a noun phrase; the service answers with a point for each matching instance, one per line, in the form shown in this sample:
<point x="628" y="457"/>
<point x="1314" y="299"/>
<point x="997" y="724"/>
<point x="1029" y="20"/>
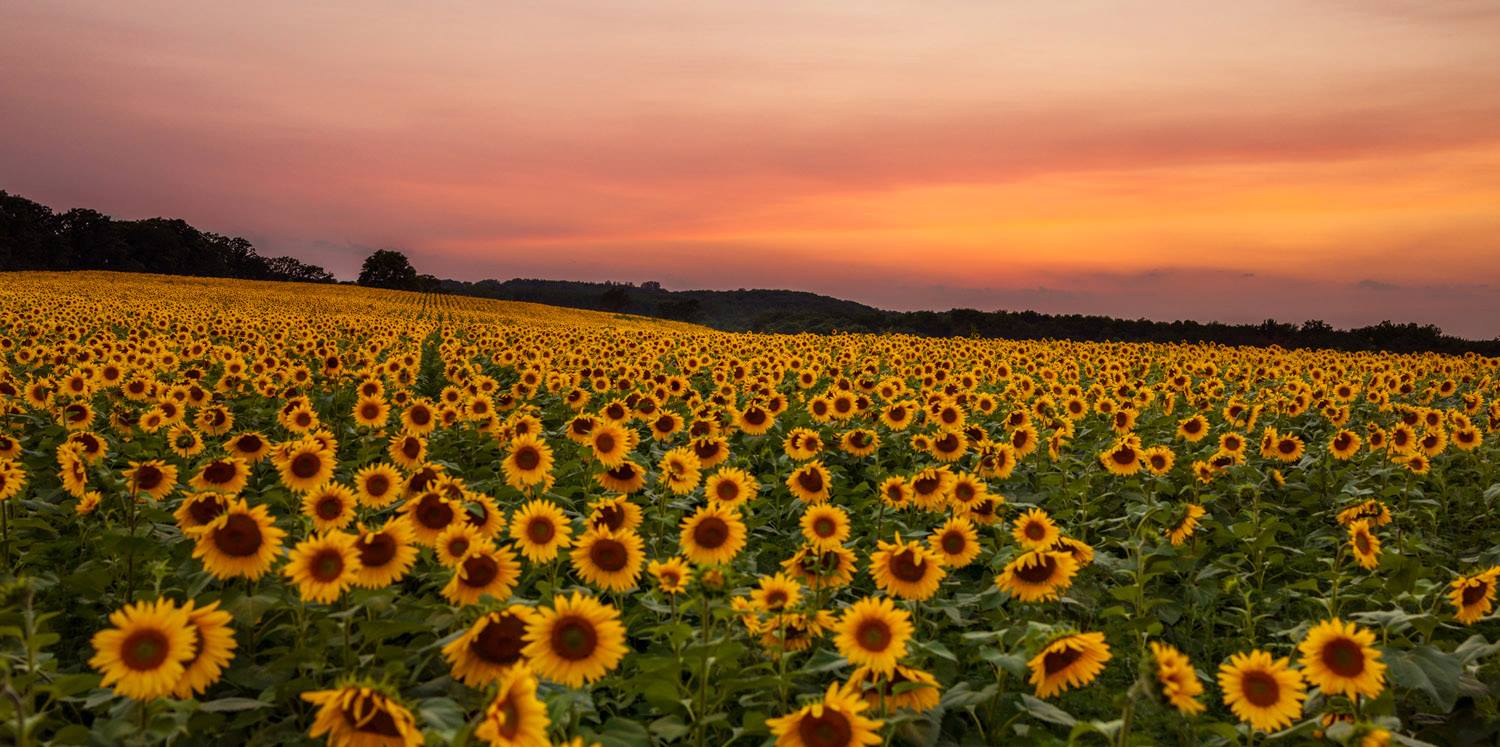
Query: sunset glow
<point x="1336" y="160"/>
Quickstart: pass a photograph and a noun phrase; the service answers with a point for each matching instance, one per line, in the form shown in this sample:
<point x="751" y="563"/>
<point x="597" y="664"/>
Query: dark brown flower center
<point x="501" y="641"/>
<point x="540" y="530"/>
<point x="376" y="550"/>
<point x="239" y="537"/>
<point x="711" y="533"/>
<point x="205" y="509"/>
<point x="1039" y="572"/>
<point x="377" y="485"/>
<point x="608" y="555"/>
<point x="148" y="477"/>
<point x="832" y="729"/>
<point x="326" y="566"/>
<point x="1475" y="592"/>
<point x="954" y="542"/>
<point x="906" y="566"/>
<point x="306" y="465"/>
<point x="1260" y="688"/>
<point x="480" y="571"/>
<point x="527" y="458"/>
<point x="1343" y="657"/>
<point x="810" y="480"/>
<point x="433" y="512"/>
<point x="873" y="635"/>
<point x="330" y="507"/>
<point x="144" y="650"/>
<point x="574" y="638"/>
<point x="1057" y="661"/>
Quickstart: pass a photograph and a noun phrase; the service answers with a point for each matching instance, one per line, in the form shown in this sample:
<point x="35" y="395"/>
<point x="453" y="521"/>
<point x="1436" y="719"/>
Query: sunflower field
<point x="271" y="514"/>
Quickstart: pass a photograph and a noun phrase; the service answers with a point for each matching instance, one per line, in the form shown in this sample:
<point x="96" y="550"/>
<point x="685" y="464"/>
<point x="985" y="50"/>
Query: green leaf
<point x="1428" y="671"/>
<point x="1045" y="711"/>
<point x="230" y="705"/>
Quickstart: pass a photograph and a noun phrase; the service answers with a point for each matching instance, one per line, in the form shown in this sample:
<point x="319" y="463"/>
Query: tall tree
<point x="388" y="268"/>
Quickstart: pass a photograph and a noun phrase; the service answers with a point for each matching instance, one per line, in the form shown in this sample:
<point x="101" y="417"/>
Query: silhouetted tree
<point x="388" y="268"/>
<point x="295" y="270"/>
<point x="615" y="299"/>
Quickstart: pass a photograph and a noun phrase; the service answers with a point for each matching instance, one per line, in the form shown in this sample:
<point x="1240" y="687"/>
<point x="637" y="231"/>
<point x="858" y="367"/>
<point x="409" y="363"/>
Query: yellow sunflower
<point x="516" y="717"/>
<point x="528" y="462"/>
<point x="608" y="560"/>
<point x="1177" y="678"/>
<point x="1261" y="691"/>
<point x="331" y="507"/>
<point x="1340" y="658"/>
<point x="1364" y="544"/>
<point x="825" y="525"/>
<point x="153" y="478"/>
<point x="456" y="541"/>
<point x="906" y="570"/>
<point x="242" y="541"/>
<point x="362" y="717"/>
<point x="146" y="651"/>
<point x="1473" y="596"/>
<point x="323" y="566"/>
<point x="1186" y="525"/>
<point x="1037" y="575"/>
<point x="490" y="647"/>
<point x="385" y="554"/>
<point x="540" y="530"/>
<point x="213" y="649"/>
<point x="485" y="570"/>
<point x="225" y="475"/>
<point x="776" y="593"/>
<point x="304" y="466"/>
<point x="377" y="485"/>
<point x="712" y="535"/>
<point x="575" y="641"/>
<point x="873" y="633"/>
<point x="1068" y="662"/>
<point x="616" y="514"/>
<point x="730" y="487"/>
<point x="1034" y="529"/>
<point x="904" y="687"/>
<point x="810" y="482"/>
<point x="672" y="575"/>
<point x="955" y="543"/>
<point x="833" y="721"/>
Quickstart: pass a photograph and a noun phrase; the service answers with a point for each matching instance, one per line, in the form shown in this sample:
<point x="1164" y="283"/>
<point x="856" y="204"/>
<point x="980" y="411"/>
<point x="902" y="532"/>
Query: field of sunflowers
<point x="270" y="514"/>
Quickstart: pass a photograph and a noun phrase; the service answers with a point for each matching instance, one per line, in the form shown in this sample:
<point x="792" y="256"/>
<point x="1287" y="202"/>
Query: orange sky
<point x="1337" y="159"/>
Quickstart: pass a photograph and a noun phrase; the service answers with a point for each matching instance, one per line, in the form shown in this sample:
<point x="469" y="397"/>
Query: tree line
<point x="34" y="237"/>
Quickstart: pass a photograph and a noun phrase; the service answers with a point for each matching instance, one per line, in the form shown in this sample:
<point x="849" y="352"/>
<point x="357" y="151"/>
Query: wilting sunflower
<point x="873" y="633"/>
<point x="377" y="485"/>
<point x="242" y="541"/>
<point x="385" y="554"/>
<point x="1261" y="691"/>
<point x="1340" y="658"/>
<point x="490" y="647"/>
<point x="577" y="640"/>
<point x="1473" y="596"/>
<point x="906" y="688"/>
<point x="906" y="570"/>
<point x="1037" y="575"/>
<point x="540" y="529"/>
<point x="1364" y="544"/>
<point x="955" y="543"/>
<point x="730" y="487"/>
<point x="825" y="525"/>
<point x="672" y="575"/>
<point x="306" y="465"/>
<point x="144" y="655"/>
<point x="810" y="482"/>
<point x="213" y="649"/>
<point x="1034" y="529"/>
<point x="331" y="507"/>
<point x="485" y="570"/>
<point x="1177" y="679"/>
<point x="323" y="566"/>
<point x="834" y="721"/>
<point x="1186" y="525"/>
<point x="154" y="478"/>
<point x="528" y="462"/>
<point x="516" y="717"/>
<point x="355" y="716"/>
<point x="608" y="560"/>
<point x="1068" y="662"/>
<point x="225" y="475"/>
<point x="712" y="535"/>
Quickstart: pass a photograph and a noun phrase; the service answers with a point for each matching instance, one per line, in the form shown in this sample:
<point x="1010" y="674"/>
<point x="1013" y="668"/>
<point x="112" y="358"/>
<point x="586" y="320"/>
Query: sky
<point x="1308" y="159"/>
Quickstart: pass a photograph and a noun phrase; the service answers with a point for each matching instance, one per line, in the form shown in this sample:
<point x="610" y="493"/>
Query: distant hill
<point x="33" y="237"/>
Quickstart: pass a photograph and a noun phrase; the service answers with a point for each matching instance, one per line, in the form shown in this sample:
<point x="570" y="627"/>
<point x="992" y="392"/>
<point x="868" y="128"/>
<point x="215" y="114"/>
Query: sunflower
<point x="1339" y="657"/>
<point x="250" y="446"/>
<point x="384" y="554"/>
<point x="627" y="478"/>
<point x="931" y="487"/>
<point x="242" y="541"/>
<point x="225" y="475"/>
<point x="873" y="633"/>
<point x="1037" y="575"/>
<point x="1068" y="662"/>
<point x="456" y="541"/>
<point x="1263" y="692"/>
<point x="516" y="717"/>
<point x="895" y="492"/>
<point x="331" y="507"/>
<point x="371" y="412"/>
<point x="1364" y="544"/>
<point x="607" y="559"/>
<point x="810" y="482"/>
<point x="306" y="465"/>
<point x="955" y="544"/>
<point x="906" y="688"/>
<point x="829" y="568"/>
<point x="154" y="478"/>
<point x="323" y="566"/>
<point x="428" y="514"/>
<point x="712" y="535"/>
<point x="528" y="462"/>
<point x="1082" y="552"/>
<point x="791" y="632"/>
<point x="610" y="443"/>
<point x="672" y="576"/>
<point x="213" y="649"/>
<point x="616" y="514"/>
<point x="540" y="529"/>
<point x="730" y="487"/>
<point x="1473" y="596"/>
<point x="577" y="640"/>
<point x="199" y="510"/>
<point x="485" y="570"/>
<point x="354" y="716"/>
<point x="144" y="655"/>
<point x="1186" y="525"/>
<point x="407" y="450"/>
<point x="1158" y="460"/>
<point x="377" y="485"/>
<point x="490" y="647"/>
<point x="1123" y="458"/>
<point x="13" y="478"/>
<point x="906" y="570"/>
<point x="776" y="593"/>
<point x="681" y="470"/>
<point x="1034" y="529"/>
<point x="825" y="525"/>
<point x="184" y="441"/>
<point x="1177" y="679"/>
<point x="834" y="721"/>
<point x="1344" y="445"/>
